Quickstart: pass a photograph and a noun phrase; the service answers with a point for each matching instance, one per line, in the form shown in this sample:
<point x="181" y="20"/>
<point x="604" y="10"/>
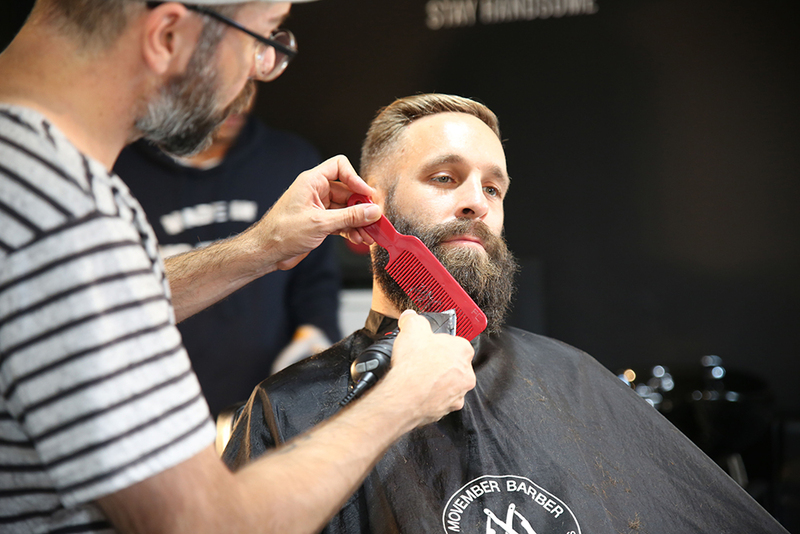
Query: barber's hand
<point x="313" y="207"/>
<point x="431" y="371"/>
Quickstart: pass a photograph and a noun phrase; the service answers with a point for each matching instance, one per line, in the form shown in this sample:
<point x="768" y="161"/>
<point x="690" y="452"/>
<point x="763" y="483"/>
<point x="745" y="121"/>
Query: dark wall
<point x="12" y="15"/>
<point x="653" y="146"/>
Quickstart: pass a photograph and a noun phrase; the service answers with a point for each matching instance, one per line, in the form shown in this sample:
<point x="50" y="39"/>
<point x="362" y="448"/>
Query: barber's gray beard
<point x="487" y="277"/>
<point x="183" y="117"/>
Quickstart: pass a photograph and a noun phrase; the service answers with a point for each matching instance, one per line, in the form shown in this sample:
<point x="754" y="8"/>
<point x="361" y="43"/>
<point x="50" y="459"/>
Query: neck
<point x="381" y="304"/>
<point x="210" y="157"/>
<point x="91" y="97"/>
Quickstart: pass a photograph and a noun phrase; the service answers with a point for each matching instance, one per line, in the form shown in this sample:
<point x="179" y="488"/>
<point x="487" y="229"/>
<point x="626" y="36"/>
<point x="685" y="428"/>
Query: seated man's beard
<point x="486" y="277"/>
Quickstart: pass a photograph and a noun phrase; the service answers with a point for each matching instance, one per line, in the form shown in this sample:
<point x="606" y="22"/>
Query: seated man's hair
<point x="98" y="23"/>
<point x="391" y="121"/>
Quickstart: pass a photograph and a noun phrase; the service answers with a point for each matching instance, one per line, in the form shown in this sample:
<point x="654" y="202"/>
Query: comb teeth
<point x="423" y="289"/>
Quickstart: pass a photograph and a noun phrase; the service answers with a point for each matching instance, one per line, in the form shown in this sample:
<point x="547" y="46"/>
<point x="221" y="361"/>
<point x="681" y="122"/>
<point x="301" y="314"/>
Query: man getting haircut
<point x="549" y="441"/>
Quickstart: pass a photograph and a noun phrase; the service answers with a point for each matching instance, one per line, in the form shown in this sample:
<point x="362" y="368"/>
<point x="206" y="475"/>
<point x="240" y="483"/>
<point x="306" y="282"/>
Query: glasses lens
<point x="271" y="61"/>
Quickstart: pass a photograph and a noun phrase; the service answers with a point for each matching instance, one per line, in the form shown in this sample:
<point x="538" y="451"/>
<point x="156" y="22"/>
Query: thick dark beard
<point x="488" y="278"/>
<point x="183" y="118"/>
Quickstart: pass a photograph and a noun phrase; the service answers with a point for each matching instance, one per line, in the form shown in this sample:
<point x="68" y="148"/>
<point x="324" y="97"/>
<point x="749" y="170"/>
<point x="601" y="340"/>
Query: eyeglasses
<point x="282" y="42"/>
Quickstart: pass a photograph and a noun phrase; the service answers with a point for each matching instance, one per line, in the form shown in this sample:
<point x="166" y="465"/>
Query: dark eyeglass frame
<point x="289" y="52"/>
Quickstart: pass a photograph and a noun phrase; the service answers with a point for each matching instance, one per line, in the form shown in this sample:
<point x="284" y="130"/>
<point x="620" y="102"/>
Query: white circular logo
<point x="507" y="504"/>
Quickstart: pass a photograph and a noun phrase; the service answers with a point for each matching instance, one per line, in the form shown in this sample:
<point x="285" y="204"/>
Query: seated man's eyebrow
<point x="506" y="181"/>
<point x="498" y="173"/>
<point x="448" y="159"/>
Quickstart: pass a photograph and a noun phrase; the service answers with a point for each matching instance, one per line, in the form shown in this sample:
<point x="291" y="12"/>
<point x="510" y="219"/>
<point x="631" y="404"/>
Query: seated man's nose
<point x="474" y="206"/>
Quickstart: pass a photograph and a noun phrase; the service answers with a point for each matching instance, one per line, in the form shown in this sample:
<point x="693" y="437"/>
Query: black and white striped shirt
<point x="96" y="390"/>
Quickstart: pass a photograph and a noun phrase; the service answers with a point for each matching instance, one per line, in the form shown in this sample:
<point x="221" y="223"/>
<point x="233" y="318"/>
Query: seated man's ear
<point x="170" y="33"/>
<point x="380" y="194"/>
<point x="381" y="185"/>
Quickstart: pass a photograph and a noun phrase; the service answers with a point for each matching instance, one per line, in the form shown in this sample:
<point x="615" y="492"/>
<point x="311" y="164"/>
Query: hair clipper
<point x="374" y="362"/>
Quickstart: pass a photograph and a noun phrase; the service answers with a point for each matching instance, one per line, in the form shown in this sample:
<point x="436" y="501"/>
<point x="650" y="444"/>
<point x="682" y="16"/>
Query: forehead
<point x="445" y="135"/>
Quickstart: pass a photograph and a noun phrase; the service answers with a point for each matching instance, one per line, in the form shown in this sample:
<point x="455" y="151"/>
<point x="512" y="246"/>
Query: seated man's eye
<point x="442" y="179"/>
<point x="492" y="191"/>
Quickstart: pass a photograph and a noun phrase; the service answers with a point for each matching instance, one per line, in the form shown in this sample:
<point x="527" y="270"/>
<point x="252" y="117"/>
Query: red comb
<point x="426" y="282"/>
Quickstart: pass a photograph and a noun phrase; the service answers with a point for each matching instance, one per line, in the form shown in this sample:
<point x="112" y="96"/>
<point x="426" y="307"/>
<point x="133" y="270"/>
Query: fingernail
<point x="372" y="212"/>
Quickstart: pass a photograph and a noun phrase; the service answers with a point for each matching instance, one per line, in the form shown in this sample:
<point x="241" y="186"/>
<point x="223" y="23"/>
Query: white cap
<point x="217" y="2"/>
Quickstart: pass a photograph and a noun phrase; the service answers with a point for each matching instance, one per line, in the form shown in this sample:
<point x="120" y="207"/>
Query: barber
<point x="101" y="417"/>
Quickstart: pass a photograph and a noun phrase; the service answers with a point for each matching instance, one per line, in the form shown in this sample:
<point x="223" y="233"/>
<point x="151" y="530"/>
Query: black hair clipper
<point x="374" y="362"/>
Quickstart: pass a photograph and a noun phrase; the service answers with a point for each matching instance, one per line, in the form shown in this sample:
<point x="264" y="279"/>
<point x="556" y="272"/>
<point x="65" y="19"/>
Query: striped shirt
<point x="96" y="389"/>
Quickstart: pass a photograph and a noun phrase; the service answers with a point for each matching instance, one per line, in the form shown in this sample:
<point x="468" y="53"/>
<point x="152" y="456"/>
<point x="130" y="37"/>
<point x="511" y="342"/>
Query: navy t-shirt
<point x="232" y="344"/>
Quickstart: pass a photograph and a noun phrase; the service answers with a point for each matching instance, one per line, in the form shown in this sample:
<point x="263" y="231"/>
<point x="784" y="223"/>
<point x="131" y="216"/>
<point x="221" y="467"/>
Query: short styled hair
<point x="98" y="23"/>
<point x="391" y="121"/>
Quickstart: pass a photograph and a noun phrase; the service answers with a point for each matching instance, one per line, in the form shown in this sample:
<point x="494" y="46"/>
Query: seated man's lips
<point x="462" y="240"/>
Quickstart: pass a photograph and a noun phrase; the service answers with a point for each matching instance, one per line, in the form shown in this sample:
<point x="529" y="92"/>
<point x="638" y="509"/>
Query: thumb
<point x="413" y="324"/>
<point x="352" y="217"/>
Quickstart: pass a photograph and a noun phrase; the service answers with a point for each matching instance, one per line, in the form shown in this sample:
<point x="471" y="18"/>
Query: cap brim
<point x="217" y="2"/>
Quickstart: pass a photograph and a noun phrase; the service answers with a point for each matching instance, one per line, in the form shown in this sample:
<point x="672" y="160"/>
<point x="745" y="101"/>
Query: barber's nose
<point x="472" y="200"/>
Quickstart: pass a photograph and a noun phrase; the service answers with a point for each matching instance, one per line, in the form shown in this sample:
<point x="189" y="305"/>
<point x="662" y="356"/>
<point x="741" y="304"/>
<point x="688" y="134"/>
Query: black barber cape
<point x="549" y="442"/>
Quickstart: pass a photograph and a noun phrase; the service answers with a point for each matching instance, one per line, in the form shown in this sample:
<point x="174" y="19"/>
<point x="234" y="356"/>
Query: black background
<point x="654" y="148"/>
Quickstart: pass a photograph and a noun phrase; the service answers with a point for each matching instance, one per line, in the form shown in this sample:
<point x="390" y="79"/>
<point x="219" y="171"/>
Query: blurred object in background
<point x="723" y="411"/>
<point x="731" y="416"/>
<point x="307" y="341"/>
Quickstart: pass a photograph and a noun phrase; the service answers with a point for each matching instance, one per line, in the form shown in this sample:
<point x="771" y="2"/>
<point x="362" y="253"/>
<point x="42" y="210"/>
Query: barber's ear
<point x="170" y="35"/>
